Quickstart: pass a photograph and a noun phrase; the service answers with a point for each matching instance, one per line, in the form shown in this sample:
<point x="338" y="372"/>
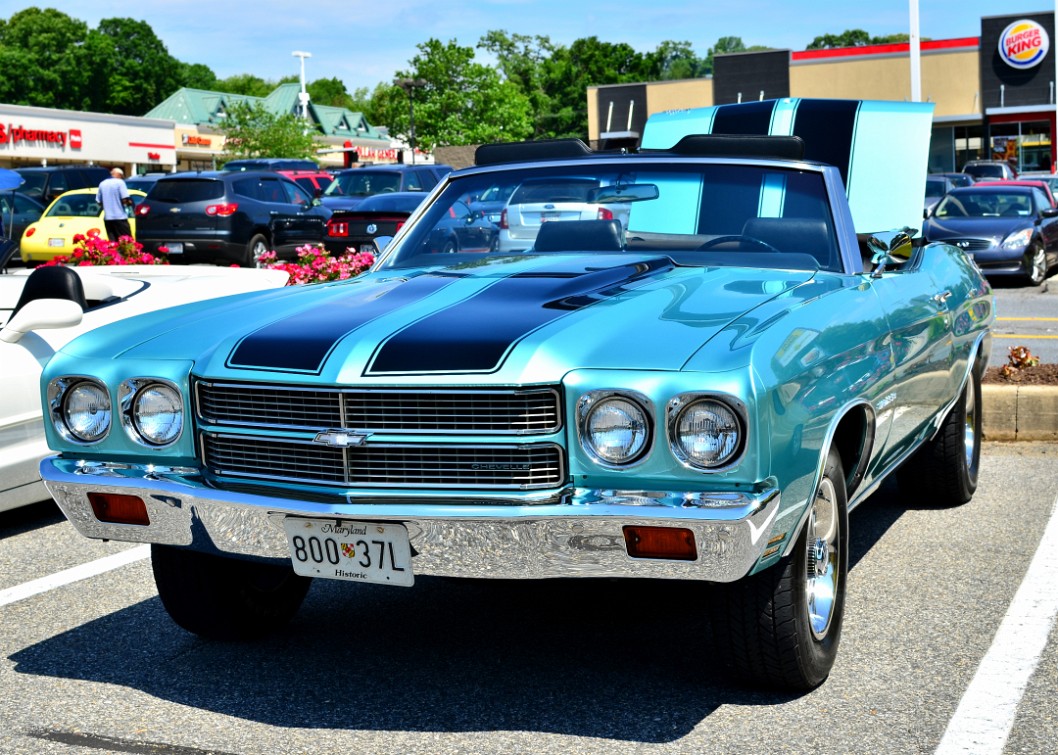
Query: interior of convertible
<point x="697" y="213"/>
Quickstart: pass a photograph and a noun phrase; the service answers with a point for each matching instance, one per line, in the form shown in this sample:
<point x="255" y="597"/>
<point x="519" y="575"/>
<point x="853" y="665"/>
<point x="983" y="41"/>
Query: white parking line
<point x="985" y="715"/>
<point x="91" y="569"/>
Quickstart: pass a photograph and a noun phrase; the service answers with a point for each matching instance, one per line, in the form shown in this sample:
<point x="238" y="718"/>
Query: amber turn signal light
<point x="119" y="509"/>
<point x="670" y="543"/>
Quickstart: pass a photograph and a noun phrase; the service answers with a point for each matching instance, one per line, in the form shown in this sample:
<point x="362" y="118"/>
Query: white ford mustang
<point x="43" y="309"/>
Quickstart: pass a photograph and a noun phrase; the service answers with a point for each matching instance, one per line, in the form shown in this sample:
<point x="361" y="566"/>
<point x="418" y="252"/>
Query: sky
<point x="366" y="43"/>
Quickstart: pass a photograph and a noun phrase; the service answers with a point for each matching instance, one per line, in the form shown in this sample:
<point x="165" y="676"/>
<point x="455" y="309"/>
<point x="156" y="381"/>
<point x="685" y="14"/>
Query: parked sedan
<point x="43" y="310"/>
<point x="1007" y="230"/>
<point x="381" y="215"/>
<point x="17" y="211"/>
<point x="72" y="214"/>
<point x="936" y="187"/>
<point x="537" y="201"/>
<point x="350" y="187"/>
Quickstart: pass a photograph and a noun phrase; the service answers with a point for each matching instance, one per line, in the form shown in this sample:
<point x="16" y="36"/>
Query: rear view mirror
<point x="623" y="193"/>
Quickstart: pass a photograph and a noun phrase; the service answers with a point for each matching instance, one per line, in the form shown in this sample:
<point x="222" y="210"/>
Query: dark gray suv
<point x="225" y="217"/>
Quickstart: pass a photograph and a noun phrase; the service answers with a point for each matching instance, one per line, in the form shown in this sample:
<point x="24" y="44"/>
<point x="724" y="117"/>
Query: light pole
<point x="409" y="86"/>
<point x="303" y="96"/>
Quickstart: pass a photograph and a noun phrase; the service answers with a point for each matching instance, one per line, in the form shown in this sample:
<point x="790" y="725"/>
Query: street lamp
<point x="409" y="86"/>
<point x="303" y="95"/>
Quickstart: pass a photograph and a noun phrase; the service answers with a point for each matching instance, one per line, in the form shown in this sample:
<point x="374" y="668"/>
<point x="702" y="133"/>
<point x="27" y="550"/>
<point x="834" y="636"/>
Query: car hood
<point x="512" y="320"/>
<point x="996" y="229"/>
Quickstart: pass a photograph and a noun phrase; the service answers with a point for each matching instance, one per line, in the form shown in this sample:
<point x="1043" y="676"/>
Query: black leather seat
<point x="580" y="236"/>
<point x="52" y="283"/>
<point x="802" y="235"/>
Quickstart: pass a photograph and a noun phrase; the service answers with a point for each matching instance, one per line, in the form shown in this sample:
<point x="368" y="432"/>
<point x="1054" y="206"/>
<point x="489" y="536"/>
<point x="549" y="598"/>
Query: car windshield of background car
<point x="985" y="205"/>
<point x="75" y="206"/>
<point x="187" y="190"/>
<point x="363" y="183"/>
<point x="666" y="208"/>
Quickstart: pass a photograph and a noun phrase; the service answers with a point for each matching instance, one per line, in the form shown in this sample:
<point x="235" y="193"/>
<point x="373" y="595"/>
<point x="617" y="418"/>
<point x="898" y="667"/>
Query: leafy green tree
<point x="461" y="102"/>
<point x="197" y="76"/>
<point x="854" y="38"/>
<point x="329" y="92"/>
<point x="246" y="84"/>
<point x="675" y="60"/>
<point x="252" y="131"/>
<point x="137" y="71"/>
<point x="45" y="50"/>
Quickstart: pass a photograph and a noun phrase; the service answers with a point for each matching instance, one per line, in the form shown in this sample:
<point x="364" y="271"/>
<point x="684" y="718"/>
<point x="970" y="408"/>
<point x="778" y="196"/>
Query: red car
<point x="312" y="181"/>
<point x="1042" y="185"/>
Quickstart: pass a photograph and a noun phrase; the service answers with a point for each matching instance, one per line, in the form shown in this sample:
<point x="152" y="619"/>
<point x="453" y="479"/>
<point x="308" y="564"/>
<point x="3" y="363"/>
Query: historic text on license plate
<point x="355" y="551"/>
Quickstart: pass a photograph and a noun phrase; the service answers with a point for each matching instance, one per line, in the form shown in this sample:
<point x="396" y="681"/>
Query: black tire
<point x="944" y="471"/>
<point x="1036" y="264"/>
<point x="225" y="598"/>
<point x="450" y="247"/>
<point x="781" y="627"/>
<point x="257" y="244"/>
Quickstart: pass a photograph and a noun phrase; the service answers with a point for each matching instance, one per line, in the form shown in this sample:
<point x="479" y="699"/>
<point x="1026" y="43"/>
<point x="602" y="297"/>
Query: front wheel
<point x="1036" y="264"/>
<point x="781" y="627"/>
<point x="224" y="598"/>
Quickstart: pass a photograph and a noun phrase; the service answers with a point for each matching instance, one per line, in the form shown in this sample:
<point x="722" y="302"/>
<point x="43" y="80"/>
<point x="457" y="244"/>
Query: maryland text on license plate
<point x="354" y="551"/>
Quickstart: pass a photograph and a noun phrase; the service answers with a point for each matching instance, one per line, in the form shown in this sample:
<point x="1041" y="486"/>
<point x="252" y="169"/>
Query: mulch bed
<point x="1041" y="374"/>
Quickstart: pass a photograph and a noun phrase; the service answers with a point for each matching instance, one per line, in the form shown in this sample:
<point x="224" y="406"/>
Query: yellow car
<point x="74" y="213"/>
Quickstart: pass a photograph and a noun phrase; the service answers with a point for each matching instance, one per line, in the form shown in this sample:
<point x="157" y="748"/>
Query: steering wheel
<point x="740" y="240"/>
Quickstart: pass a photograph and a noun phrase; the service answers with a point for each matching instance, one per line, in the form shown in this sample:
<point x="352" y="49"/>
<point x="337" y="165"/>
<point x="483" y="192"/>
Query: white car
<point x="43" y="309"/>
<point x="552" y="199"/>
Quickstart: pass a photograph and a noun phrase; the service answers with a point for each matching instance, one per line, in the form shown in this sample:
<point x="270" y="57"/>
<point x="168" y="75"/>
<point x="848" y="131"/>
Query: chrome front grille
<point x="466" y="412"/>
<point x="385" y="465"/>
<point x="352" y="437"/>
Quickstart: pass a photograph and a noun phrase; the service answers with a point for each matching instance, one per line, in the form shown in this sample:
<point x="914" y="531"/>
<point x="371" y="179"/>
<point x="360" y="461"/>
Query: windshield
<point x="985" y="204"/>
<point x="363" y="183"/>
<point x="696" y="212"/>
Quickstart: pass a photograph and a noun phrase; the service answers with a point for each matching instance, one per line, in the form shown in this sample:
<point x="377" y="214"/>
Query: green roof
<point x="199" y="107"/>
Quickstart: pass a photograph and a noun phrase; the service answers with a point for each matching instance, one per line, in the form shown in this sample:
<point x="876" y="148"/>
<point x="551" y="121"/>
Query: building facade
<point x="993" y="95"/>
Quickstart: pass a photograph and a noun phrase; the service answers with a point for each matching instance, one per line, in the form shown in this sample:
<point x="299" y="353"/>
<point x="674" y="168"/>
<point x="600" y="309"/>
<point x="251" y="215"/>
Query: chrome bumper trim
<point x="577" y="535"/>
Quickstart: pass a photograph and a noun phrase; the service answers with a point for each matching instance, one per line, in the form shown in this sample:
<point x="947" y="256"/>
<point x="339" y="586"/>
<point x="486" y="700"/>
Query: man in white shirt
<point x="114" y="196"/>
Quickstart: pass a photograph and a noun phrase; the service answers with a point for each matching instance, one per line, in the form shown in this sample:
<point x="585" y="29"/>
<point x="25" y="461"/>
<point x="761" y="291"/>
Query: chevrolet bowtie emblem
<point x="341" y="438"/>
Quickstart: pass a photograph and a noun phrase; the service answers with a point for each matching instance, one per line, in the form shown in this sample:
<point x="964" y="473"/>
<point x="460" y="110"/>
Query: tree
<point x="461" y="102"/>
<point x="329" y="92"/>
<point x="47" y="48"/>
<point x="252" y="131"/>
<point x="676" y="60"/>
<point x="197" y="76"/>
<point x="246" y="84"/>
<point x="137" y="71"/>
<point x="854" y="38"/>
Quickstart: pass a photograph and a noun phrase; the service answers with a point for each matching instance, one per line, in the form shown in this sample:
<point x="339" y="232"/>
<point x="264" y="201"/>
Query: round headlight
<point x="707" y="433"/>
<point x="616" y="430"/>
<point x="86" y="412"/>
<point x="158" y="414"/>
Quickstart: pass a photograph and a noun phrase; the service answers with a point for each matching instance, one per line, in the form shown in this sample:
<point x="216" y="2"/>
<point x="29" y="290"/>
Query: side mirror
<point x="41" y="314"/>
<point x="1050" y="212"/>
<point x="891" y="245"/>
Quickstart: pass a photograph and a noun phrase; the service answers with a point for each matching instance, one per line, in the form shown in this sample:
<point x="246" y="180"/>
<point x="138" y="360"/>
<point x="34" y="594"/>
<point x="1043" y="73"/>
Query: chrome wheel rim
<point x="969" y="430"/>
<point x="821" y="565"/>
<point x="1038" y="265"/>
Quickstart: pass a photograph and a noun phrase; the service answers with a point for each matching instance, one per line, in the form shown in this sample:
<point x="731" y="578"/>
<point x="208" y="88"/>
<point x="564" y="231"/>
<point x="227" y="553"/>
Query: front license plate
<point x="56" y="242"/>
<point x="354" y="551"/>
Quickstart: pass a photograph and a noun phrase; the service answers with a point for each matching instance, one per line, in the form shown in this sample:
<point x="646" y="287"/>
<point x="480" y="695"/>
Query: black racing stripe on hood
<point x="475" y="335"/>
<point x="302" y="342"/>
<point x="828" y="128"/>
<point x="748" y="118"/>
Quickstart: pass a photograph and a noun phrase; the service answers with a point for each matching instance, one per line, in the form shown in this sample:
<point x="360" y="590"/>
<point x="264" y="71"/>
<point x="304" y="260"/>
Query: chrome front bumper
<point x="577" y="535"/>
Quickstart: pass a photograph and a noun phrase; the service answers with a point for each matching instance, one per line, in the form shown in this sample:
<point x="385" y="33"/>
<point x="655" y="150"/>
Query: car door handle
<point x="941" y="299"/>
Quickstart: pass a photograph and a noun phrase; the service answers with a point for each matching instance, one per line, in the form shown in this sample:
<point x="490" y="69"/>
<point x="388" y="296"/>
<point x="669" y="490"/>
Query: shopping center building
<point x="993" y="95"/>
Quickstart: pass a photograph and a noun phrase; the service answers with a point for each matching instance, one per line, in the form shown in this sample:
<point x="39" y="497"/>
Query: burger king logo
<point x="1023" y="44"/>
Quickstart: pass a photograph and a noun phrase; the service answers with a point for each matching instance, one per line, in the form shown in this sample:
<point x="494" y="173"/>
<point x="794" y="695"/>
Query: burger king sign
<point x="1023" y="44"/>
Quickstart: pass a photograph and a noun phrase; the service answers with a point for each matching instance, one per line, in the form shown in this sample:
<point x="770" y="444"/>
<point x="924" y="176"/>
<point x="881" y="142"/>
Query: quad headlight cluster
<point x="151" y="410"/>
<point x="705" y="431"/>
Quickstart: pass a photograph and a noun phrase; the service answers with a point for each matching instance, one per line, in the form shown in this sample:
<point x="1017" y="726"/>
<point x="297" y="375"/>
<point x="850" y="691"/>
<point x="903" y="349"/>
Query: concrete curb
<point x="1019" y="412"/>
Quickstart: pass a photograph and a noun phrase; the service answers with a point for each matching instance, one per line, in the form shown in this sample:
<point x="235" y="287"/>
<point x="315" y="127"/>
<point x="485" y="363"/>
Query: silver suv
<point x="990" y="170"/>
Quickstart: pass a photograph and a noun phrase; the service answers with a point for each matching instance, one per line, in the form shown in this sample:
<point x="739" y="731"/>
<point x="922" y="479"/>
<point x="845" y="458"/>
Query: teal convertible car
<point x="732" y="345"/>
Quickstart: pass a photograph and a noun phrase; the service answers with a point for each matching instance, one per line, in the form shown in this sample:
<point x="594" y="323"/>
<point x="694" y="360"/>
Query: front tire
<point x="944" y="471"/>
<point x="782" y="626"/>
<point x="1036" y="265"/>
<point x="224" y="598"/>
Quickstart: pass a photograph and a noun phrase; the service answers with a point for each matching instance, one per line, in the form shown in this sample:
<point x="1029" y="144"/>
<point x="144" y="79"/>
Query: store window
<point x="1025" y="145"/>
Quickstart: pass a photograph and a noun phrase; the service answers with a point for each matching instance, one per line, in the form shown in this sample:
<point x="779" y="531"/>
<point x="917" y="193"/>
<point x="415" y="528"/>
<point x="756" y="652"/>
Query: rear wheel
<point x="781" y="627"/>
<point x="258" y="245"/>
<point x="944" y="470"/>
<point x="450" y="247"/>
<point x="225" y="598"/>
